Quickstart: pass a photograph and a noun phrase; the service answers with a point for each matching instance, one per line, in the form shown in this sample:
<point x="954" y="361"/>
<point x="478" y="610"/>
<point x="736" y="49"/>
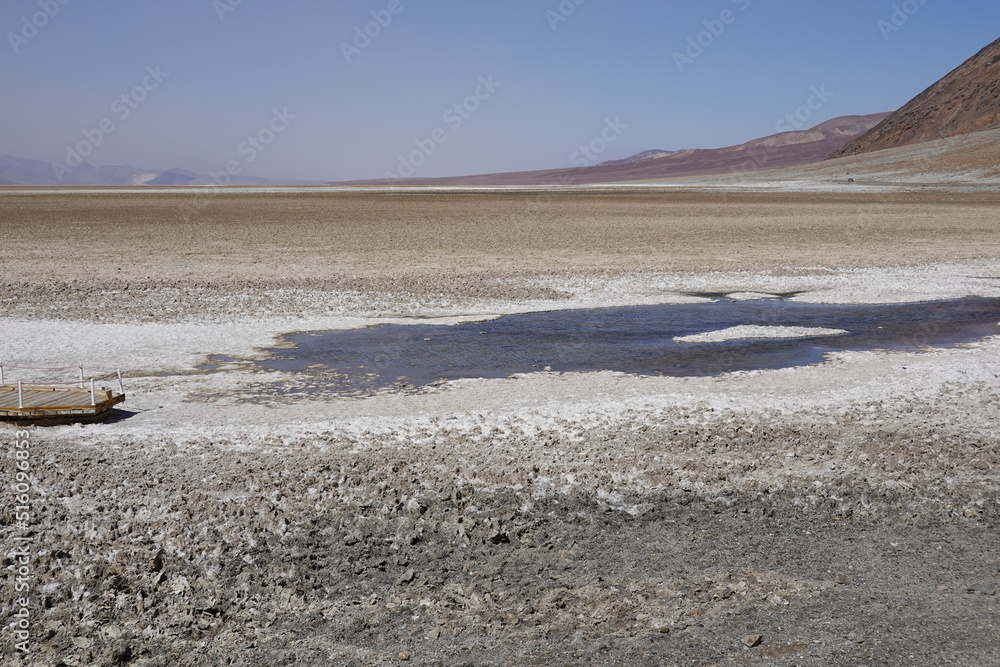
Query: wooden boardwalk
<point x="42" y="404"/>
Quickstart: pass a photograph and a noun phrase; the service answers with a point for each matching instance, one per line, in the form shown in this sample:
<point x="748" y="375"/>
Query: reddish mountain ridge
<point x="965" y="100"/>
<point x="779" y="150"/>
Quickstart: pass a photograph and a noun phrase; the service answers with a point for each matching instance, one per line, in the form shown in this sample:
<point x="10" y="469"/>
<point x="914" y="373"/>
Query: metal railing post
<point x="81" y="377"/>
<point x="93" y="399"/>
<point x="120" y="385"/>
<point x="20" y="397"/>
<point x="1" y="376"/>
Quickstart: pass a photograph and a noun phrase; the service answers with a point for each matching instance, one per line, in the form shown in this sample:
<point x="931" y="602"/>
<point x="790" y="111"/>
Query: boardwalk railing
<point x="93" y="374"/>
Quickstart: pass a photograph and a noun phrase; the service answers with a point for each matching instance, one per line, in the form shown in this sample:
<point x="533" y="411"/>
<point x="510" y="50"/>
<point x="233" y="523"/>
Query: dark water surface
<point x="635" y="339"/>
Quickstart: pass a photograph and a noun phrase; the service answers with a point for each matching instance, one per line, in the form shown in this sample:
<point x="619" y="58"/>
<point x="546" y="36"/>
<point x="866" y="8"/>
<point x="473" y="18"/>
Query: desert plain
<point x="843" y="513"/>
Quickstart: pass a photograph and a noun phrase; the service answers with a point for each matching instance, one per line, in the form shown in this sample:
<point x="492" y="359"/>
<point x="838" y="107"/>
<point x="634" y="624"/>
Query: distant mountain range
<point x="963" y="107"/>
<point x="965" y="100"/>
<point x="22" y="171"/>
<point x="779" y="150"/>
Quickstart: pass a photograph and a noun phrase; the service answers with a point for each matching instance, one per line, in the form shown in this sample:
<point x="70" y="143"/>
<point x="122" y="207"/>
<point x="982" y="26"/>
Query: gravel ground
<point x="190" y="255"/>
<point x="840" y="514"/>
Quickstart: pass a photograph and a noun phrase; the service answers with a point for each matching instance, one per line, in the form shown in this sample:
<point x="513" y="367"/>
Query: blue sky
<point x="557" y="72"/>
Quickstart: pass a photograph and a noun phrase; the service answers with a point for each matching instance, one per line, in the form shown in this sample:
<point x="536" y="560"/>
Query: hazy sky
<point x="199" y="77"/>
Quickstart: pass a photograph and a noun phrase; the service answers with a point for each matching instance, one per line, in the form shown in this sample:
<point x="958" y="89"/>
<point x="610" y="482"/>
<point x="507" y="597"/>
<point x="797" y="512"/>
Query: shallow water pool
<point x="633" y="339"/>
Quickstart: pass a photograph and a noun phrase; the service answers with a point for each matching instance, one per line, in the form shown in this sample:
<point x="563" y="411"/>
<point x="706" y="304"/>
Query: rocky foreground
<point x="865" y="535"/>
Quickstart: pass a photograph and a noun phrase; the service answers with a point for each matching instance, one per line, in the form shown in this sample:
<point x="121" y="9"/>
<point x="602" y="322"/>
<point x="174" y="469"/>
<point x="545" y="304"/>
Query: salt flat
<point x="841" y="510"/>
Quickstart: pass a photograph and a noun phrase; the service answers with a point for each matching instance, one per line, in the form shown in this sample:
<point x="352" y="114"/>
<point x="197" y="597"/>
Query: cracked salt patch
<point x="746" y="331"/>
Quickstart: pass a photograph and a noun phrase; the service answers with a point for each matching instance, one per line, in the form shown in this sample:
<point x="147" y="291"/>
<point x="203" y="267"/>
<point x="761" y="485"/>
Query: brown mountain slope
<point x="966" y="100"/>
<point x="966" y="161"/>
<point x="779" y="150"/>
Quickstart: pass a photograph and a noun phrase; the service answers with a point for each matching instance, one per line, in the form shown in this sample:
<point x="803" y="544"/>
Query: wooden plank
<point x="9" y="397"/>
<point x="41" y="400"/>
<point x="35" y="398"/>
<point x="61" y="399"/>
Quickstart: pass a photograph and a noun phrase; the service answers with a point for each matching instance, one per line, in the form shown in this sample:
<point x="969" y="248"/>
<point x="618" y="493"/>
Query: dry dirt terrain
<point x="845" y="513"/>
<point x="156" y="257"/>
